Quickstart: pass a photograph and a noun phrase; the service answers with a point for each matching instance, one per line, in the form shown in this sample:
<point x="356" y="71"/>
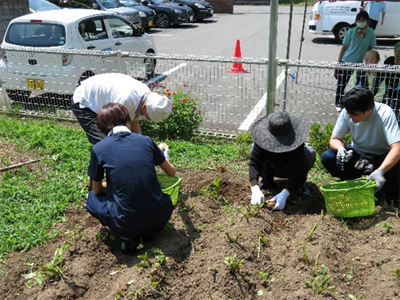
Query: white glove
<point x="166" y="154"/>
<point x="257" y="197"/>
<point x="377" y="176"/>
<point x="343" y="156"/>
<point x="280" y="200"/>
<point x="164" y="148"/>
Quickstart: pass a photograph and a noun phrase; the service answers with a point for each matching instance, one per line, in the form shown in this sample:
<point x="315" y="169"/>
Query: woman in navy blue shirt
<point x="130" y="202"/>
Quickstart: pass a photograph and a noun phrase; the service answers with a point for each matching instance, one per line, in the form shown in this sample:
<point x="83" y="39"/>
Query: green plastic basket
<point x="170" y="186"/>
<point x="350" y="198"/>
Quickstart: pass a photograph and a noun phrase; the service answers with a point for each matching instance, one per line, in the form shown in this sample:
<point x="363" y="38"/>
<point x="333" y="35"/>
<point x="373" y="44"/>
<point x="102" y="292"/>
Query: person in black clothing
<point x="392" y="94"/>
<point x="279" y="151"/>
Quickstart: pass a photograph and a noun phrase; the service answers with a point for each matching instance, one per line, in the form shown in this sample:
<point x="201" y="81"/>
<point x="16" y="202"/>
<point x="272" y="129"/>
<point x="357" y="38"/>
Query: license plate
<point x="150" y="23"/>
<point x="211" y="11"/>
<point x="35" y="84"/>
<point x="191" y="18"/>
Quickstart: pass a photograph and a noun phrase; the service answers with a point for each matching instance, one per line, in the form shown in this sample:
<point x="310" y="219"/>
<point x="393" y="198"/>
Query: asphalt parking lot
<point x="250" y="24"/>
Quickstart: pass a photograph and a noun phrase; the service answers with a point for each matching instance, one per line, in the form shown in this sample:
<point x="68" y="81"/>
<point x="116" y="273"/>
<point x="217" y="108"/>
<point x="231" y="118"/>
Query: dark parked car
<point x="168" y="13"/>
<point x="202" y="9"/>
<point x="147" y="14"/>
<point x="41" y="5"/>
<point x="131" y="14"/>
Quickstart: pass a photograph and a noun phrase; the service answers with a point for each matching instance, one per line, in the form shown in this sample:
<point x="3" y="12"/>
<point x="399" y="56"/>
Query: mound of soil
<point x="218" y="247"/>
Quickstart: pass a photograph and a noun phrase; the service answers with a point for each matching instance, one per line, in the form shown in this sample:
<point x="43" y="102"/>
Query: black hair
<point x="363" y="14"/>
<point x="358" y="100"/>
<point x="111" y="115"/>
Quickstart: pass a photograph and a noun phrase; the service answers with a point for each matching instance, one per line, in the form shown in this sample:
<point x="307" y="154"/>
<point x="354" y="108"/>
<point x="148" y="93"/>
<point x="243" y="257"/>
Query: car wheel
<point x="162" y="20"/>
<point x="340" y="31"/>
<point x="150" y="64"/>
<point x="85" y="75"/>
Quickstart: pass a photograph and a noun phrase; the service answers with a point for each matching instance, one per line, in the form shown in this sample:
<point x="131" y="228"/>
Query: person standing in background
<point x="374" y="8"/>
<point x="357" y="41"/>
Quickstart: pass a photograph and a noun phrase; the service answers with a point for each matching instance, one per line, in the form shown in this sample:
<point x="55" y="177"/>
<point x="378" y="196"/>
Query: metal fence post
<point x="119" y="53"/>
<point x="272" y="63"/>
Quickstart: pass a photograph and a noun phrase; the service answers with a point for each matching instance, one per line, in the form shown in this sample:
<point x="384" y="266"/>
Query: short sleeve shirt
<point x="375" y="8"/>
<point x="99" y="90"/>
<point x="357" y="44"/>
<point x="134" y="197"/>
<point x="374" y="135"/>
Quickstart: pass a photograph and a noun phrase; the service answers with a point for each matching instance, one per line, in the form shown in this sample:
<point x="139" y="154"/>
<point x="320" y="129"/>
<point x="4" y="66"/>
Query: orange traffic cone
<point x="237" y="66"/>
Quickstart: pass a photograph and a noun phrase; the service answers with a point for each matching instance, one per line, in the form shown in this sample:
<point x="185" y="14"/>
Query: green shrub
<point x="185" y="118"/>
<point x="244" y="141"/>
<point x="319" y="139"/>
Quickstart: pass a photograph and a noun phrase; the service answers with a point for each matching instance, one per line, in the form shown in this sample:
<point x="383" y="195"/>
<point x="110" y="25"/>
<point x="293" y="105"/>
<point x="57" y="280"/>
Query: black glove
<point x="365" y="164"/>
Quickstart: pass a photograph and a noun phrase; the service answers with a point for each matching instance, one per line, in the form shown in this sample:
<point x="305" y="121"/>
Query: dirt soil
<point x="218" y="247"/>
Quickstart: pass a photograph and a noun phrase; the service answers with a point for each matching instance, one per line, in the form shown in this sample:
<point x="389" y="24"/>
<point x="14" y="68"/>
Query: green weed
<point x="234" y="264"/>
<point x="304" y="252"/>
<point x="261" y="241"/>
<point x="396" y="274"/>
<point x="319" y="284"/>
<point x="386" y="226"/>
<point x="145" y="263"/>
<point x="267" y="277"/>
<point x="201" y="228"/>
<point x="211" y="190"/>
<point x="355" y="298"/>
<point x="252" y="211"/>
<point x="159" y="255"/>
<point x="53" y="270"/>
<point x="350" y="275"/>
<point x="311" y="232"/>
<point x="233" y="240"/>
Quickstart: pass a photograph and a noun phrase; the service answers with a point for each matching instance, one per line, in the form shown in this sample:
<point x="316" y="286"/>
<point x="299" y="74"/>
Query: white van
<point x="338" y="16"/>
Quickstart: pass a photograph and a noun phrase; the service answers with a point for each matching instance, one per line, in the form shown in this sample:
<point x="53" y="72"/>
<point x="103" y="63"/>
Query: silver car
<point x="32" y="75"/>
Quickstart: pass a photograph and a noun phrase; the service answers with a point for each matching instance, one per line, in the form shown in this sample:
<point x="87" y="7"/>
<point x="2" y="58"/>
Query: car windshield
<point x="129" y="2"/>
<point x="41" y="5"/>
<point x="36" y="34"/>
<point x="159" y="1"/>
<point x="109" y="3"/>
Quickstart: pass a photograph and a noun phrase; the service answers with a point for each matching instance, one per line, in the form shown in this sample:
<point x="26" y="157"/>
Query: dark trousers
<point x="391" y="186"/>
<point x="343" y="77"/>
<point x="87" y="120"/>
<point x="373" y="23"/>
<point x="270" y="170"/>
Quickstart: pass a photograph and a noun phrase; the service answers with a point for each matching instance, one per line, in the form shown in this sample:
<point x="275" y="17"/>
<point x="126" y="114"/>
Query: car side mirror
<point x="138" y="31"/>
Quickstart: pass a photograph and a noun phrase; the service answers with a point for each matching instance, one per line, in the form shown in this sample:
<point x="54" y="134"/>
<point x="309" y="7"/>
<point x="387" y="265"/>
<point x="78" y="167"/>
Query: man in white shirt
<point x="99" y="90"/>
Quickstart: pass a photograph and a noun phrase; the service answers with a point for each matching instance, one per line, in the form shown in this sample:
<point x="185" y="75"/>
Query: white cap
<point x="158" y="107"/>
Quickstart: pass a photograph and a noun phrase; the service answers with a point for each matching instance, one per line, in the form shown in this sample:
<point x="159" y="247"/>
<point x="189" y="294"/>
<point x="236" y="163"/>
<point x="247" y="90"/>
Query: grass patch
<point x="33" y="200"/>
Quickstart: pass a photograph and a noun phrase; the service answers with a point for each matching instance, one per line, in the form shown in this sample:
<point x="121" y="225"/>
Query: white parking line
<point x="252" y="116"/>
<point x="174" y="69"/>
<point x="161" y="77"/>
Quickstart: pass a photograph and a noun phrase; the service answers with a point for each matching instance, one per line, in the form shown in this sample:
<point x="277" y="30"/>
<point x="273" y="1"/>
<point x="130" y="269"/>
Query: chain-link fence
<point x="233" y="93"/>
